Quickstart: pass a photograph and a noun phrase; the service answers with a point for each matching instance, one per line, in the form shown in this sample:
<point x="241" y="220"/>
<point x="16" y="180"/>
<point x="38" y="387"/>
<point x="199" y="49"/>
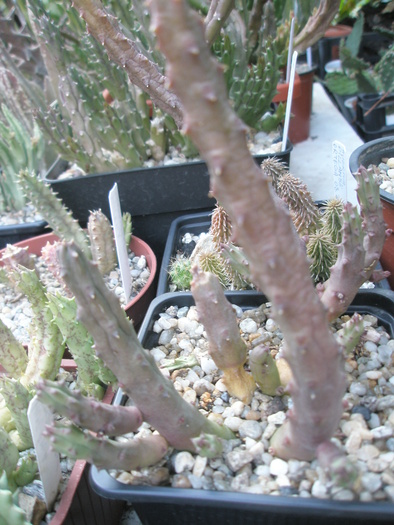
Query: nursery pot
<point x="372" y="153"/>
<point x="328" y="46"/>
<point x="137" y="306"/>
<point x="178" y="506"/>
<point x="301" y="108"/>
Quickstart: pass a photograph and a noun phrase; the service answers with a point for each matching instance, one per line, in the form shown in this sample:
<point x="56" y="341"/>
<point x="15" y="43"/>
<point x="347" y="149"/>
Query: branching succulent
<point x="278" y="266"/>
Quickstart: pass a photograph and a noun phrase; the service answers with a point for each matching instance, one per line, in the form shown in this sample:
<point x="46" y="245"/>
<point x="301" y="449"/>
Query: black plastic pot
<point x="372" y="153"/>
<point x="172" y="506"/>
<point x="20" y="232"/>
<point x="372" y="123"/>
<point x="153" y="196"/>
<point x="194" y="223"/>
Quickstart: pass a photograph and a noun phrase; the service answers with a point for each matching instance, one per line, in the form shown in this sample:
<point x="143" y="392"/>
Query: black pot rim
<point x="354" y="162"/>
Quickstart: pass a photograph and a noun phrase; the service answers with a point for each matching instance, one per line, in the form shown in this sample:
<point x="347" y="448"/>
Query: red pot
<point x="137" y="307"/>
<point x="283" y="89"/>
<point x="301" y="109"/>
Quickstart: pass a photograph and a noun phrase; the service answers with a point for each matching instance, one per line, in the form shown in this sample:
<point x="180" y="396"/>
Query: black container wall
<point x="169" y="506"/>
<point x="19" y="232"/>
<point x="153" y="196"/>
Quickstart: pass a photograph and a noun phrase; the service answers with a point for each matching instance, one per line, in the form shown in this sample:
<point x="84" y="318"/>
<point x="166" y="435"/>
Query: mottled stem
<point x="116" y="342"/>
<point x="317" y="24"/>
<point x="141" y="71"/>
<point x="262" y="227"/>
<point x="88" y="413"/>
<point x="226" y="346"/>
<point x="104" y="453"/>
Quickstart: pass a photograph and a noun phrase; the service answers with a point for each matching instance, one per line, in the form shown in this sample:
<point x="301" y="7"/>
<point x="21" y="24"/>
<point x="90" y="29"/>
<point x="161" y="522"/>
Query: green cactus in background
<point x="102" y="243"/>
<point x="357" y="75"/>
<point x="323" y="253"/>
<point x="19" y="149"/>
<point x="52" y="209"/>
<point x="180" y="272"/>
<point x="332" y="219"/>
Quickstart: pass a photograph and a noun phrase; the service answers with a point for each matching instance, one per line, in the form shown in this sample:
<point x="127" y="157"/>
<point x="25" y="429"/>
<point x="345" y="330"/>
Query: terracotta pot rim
<point x="339" y="30"/>
<point x="137" y="245"/>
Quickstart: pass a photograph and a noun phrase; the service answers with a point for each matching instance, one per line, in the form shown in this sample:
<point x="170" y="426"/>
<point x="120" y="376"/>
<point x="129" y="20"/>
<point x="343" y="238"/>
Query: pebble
<point x="367" y="452"/>
<point x="358" y="389"/>
<point x="278" y="467"/>
<point x="371" y="482"/>
<point x="248" y="326"/>
<point x="208" y="365"/>
<point x="183" y="461"/>
<point x="237" y="459"/>
<point x="233" y="423"/>
<point x="277" y="419"/>
<point x="251" y="429"/>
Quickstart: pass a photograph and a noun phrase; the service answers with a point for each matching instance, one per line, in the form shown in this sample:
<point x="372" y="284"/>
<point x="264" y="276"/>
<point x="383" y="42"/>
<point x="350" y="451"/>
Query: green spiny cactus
<point x="299" y="200"/>
<point x="19" y="149"/>
<point x="127" y="227"/>
<point x="102" y="241"/>
<point x="52" y="208"/>
<point x="220" y="228"/>
<point x="332" y="219"/>
<point x="323" y="253"/>
<point x="214" y="263"/>
<point x="180" y="272"/>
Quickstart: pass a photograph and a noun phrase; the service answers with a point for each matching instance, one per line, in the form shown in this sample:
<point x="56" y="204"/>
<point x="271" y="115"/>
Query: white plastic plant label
<point x="121" y="249"/>
<point x="48" y="461"/>
<point x="339" y="174"/>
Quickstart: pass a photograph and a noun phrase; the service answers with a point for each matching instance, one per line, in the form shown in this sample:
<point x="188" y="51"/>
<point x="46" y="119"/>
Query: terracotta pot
<point x="137" y="307"/>
<point x="372" y="153"/>
<point x="301" y="108"/>
<point x="283" y="89"/>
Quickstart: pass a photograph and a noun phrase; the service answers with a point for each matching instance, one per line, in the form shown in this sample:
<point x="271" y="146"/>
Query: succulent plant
<point x="357" y="75"/>
<point x="19" y="149"/>
<point x="278" y="266"/>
